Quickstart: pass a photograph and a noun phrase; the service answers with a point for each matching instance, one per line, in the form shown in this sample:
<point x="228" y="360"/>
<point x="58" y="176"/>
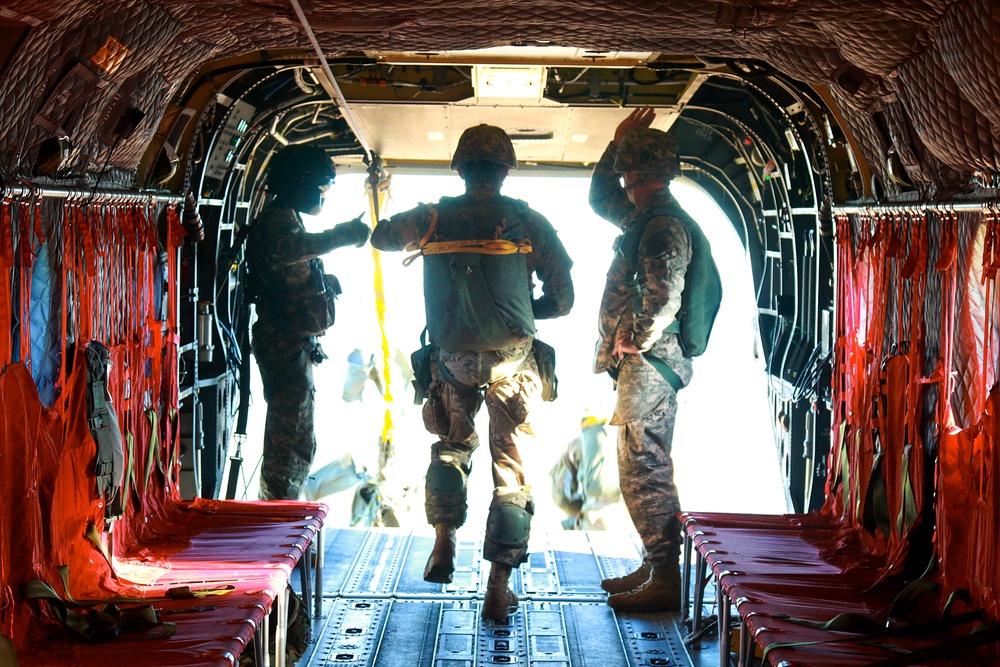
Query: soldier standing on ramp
<point x="639" y="307"/>
<point x="480" y="252"/>
<point x="294" y="305"/>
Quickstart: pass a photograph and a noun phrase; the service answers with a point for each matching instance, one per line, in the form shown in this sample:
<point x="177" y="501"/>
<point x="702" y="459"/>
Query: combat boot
<point x="662" y="592"/>
<point x="440" y="567"/>
<point x="630" y="581"/>
<point x="500" y="601"/>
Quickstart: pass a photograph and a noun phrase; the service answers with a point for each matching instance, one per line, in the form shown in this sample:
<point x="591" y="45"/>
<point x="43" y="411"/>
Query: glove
<point x="354" y="232"/>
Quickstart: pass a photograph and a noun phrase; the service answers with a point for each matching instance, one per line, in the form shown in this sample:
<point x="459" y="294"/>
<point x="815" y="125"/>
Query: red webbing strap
<point x="967" y="498"/>
<point x="175" y="236"/>
<point x="170" y="396"/>
<point x="85" y="278"/>
<point x="991" y="255"/>
<point x="25" y="260"/>
<point x="7" y="473"/>
<point x="986" y="528"/>
<point x="872" y="287"/>
<point x="838" y="480"/>
<point x="6" y="264"/>
<point x="67" y="264"/>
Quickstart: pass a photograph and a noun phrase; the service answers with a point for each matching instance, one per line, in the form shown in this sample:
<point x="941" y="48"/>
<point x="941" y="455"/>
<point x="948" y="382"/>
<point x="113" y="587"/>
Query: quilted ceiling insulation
<point x="915" y="80"/>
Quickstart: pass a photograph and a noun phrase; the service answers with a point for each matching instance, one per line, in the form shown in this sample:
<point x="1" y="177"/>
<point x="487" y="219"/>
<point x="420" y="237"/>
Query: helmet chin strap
<point x="304" y="199"/>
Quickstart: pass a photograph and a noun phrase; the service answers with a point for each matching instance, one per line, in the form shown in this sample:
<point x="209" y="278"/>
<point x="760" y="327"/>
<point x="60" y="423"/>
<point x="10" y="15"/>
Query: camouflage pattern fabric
<point x="284" y="258"/>
<point x="286" y="372"/>
<point x="507" y="379"/>
<point x="663" y="259"/>
<point x="646" y="473"/>
<point x="649" y="151"/>
<point x="484" y="143"/>
<point x="646" y="405"/>
<point x="280" y="249"/>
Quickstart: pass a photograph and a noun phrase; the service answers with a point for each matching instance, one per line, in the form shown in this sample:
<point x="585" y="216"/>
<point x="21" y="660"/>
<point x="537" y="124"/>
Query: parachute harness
<point x="480" y="246"/>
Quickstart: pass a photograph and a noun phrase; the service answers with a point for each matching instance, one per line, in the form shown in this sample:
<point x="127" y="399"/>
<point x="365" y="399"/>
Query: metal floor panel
<point x="379" y="612"/>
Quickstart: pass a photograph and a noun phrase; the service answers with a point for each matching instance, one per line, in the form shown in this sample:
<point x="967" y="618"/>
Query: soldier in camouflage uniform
<point x="480" y="316"/>
<point x="647" y="402"/>
<point x="285" y="271"/>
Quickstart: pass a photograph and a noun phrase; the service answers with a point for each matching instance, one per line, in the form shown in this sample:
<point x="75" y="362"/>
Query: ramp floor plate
<point x="379" y="612"/>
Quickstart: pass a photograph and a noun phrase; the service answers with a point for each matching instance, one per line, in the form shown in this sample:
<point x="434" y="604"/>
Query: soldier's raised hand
<point x="639" y="118"/>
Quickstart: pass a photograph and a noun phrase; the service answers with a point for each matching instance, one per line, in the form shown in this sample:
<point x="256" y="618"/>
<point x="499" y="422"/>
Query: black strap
<point x="100" y="623"/>
<point x="443" y="370"/>
<point x="450" y="379"/>
<point x="109" y="465"/>
<point x="8" y="656"/>
<point x="664" y="369"/>
<point x="243" y="412"/>
<point x="869" y="631"/>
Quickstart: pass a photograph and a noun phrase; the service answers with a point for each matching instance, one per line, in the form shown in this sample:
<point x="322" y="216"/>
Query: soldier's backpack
<point x="702" y="293"/>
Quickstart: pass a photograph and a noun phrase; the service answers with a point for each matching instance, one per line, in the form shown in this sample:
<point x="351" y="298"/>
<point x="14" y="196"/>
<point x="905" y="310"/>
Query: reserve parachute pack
<point x="476" y="286"/>
<point x="702" y="293"/>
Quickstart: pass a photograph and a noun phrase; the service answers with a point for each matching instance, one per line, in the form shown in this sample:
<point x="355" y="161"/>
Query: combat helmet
<point x="484" y="143"/>
<point x="648" y="151"/>
<point x="297" y="167"/>
<point x="296" y="176"/>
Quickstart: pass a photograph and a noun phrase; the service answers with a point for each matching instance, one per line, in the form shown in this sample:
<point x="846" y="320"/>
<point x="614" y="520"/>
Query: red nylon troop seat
<point x="247" y="550"/>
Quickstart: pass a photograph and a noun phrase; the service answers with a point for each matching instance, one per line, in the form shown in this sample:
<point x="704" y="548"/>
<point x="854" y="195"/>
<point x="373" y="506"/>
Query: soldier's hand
<point x="638" y="119"/>
<point x="625" y="345"/>
<point x="355" y="229"/>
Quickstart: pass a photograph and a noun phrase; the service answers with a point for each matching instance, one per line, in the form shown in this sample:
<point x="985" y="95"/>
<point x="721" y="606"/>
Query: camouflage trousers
<point x="508" y="381"/>
<point x="646" y="473"/>
<point x="289" y="438"/>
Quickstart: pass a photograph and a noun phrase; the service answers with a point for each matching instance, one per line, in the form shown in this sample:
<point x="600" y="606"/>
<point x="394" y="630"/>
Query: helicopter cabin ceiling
<point x="559" y="105"/>
<point x="914" y="82"/>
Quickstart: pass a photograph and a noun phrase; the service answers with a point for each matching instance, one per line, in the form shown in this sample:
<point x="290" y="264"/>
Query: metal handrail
<point x="970" y="206"/>
<point x="23" y="191"/>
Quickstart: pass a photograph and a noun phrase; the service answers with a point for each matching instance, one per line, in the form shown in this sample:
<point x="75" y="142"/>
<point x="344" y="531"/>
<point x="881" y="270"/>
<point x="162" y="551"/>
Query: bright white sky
<point x="724" y="450"/>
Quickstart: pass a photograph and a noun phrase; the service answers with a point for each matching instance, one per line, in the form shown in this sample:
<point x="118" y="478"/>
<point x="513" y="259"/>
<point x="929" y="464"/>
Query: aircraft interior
<point x="853" y="146"/>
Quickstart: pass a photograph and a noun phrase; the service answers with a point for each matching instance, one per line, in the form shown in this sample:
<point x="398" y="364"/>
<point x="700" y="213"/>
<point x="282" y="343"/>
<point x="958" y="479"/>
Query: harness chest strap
<point x="481" y="246"/>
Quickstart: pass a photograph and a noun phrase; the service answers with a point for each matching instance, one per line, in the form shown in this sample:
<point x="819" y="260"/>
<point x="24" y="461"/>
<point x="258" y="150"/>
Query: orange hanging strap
<point x="892" y="244"/>
<point x="6" y="264"/>
<point x="989" y="251"/>
<point x="25" y="253"/>
<point x="988" y="278"/>
<point x="913" y="251"/>
<point x="948" y="250"/>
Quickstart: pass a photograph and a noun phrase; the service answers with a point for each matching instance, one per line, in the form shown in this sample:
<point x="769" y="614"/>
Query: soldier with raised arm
<point x="639" y="346"/>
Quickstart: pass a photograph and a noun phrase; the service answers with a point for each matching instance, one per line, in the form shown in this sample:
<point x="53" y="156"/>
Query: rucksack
<point x="702" y="293"/>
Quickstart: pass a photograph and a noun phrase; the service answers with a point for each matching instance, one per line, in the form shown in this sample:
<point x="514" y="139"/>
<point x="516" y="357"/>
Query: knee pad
<point x="444" y="480"/>
<point x="508" y="526"/>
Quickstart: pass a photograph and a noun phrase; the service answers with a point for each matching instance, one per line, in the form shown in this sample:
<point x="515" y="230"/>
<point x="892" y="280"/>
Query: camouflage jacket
<point x="284" y="260"/>
<point x="548" y="259"/>
<point x="663" y="259"/>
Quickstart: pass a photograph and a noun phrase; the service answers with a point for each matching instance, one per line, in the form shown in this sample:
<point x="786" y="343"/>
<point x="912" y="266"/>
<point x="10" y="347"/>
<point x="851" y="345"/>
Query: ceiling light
<point x="435" y="136"/>
<point x="579" y="138"/>
<point x="509" y="82"/>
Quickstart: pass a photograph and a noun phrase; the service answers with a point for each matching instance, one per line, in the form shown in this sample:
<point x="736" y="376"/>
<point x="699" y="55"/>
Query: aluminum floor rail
<point x="379" y="612"/>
